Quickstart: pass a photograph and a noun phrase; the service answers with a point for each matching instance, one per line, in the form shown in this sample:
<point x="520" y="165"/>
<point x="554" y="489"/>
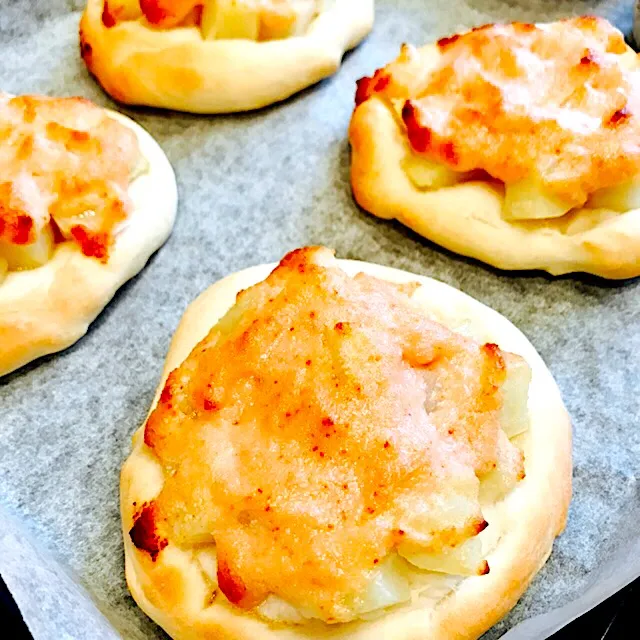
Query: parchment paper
<point x="252" y="187"/>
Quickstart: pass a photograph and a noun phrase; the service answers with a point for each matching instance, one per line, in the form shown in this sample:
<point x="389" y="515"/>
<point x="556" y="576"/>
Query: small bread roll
<point x="342" y="450"/>
<point x="217" y="56"/>
<point x="86" y="197"/>
<point x="517" y="144"/>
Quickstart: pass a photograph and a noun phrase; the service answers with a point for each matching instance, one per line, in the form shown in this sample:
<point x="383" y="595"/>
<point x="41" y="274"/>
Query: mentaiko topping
<point x="219" y="19"/>
<point x="324" y="431"/>
<point x="65" y="166"/>
<point x="551" y="109"/>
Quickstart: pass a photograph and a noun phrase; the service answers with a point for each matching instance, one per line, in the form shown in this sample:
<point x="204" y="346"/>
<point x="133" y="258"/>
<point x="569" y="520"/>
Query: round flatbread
<point x="466" y="212"/>
<point x="47" y="309"/>
<point x="171" y="589"/>
<point x="176" y="68"/>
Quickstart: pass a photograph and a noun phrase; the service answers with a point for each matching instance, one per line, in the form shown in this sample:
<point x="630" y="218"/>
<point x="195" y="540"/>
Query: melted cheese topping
<point x="323" y="423"/>
<point x="555" y="103"/>
<point x="64" y="170"/>
<point x="248" y="19"/>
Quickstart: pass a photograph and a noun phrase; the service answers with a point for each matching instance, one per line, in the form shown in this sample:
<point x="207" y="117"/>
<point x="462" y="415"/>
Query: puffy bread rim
<point x="47" y="309"/>
<point x="477" y="602"/>
<point x="131" y="59"/>
<point x="467" y="218"/>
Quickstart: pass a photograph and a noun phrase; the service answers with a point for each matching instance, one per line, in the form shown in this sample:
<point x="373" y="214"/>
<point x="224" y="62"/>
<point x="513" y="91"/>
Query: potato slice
<point x="427" y="174"/>
<point x="286" y="18"/>
<point x="389" y="586"/>
<point x="629" y="60"/>
<point x="509" y="469"/>
<point x="230" y="19"/>
<point x="277" y="610"/>
<point x="623" y="197"/>
<point x="28" y="256"/>
<point x="464" y="560"/>
<point x="207" y="558"/>
<point x="515" y="396"/>
<point x="526" y="200"/>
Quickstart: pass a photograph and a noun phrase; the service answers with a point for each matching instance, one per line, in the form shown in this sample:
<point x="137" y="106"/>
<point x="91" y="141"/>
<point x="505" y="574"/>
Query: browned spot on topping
<point x="267" y="508"/>
<point x="259" y="490"/>
<point x="315" y="448"/>
<point x="449" y="152"/>
<point x="197" y="14"/>
<point x="93" y="245"/>
<point x="85" y="49"/>
<point x="370" y="510"/>
<point x="327" y="422"/>
<point x="386" y="444"/>
<point x="233" y="586"/>
<point x="589" y="58"/>
<point x="144" y="533"/>
<point x="209" y="405"/>
<point x="308" y="363"/>
<point x="480" y="527"/>
<point x="108" y="20"/>
<point x="322" y="454"/>
<point x="339" y="326"/>
<point x="166" y="394"/>
<point x="364" y="90"/>
<point x="21" y="233"/>
<point x="419" y="136"/>
<point x="444" y="43"/>
<point x="376" y="560"/>
<point x="382" y="83"/>
<point x="400" y="532"/>
<point x="620" y="115"/>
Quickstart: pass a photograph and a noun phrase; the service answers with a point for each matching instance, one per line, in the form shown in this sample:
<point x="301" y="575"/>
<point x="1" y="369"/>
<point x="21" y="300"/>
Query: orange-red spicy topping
<point x="559" y="102"/>
<point x="63" y="162"/>
<point x="306" y="484"/>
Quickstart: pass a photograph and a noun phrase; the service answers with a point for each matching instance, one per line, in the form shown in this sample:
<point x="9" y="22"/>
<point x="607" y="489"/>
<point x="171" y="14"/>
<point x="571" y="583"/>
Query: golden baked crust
<point x="468" y="214"/>
<point x="177" y="69"/>
<point x="174" y="590"/>
<point x="47" y="309"/>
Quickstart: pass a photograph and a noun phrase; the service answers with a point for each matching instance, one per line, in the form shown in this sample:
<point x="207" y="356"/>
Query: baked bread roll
<point x="217" y="56"/>
<point x="345" y="456"/>
<point x="516" y="144"/>
<point x="86" y="196"/>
